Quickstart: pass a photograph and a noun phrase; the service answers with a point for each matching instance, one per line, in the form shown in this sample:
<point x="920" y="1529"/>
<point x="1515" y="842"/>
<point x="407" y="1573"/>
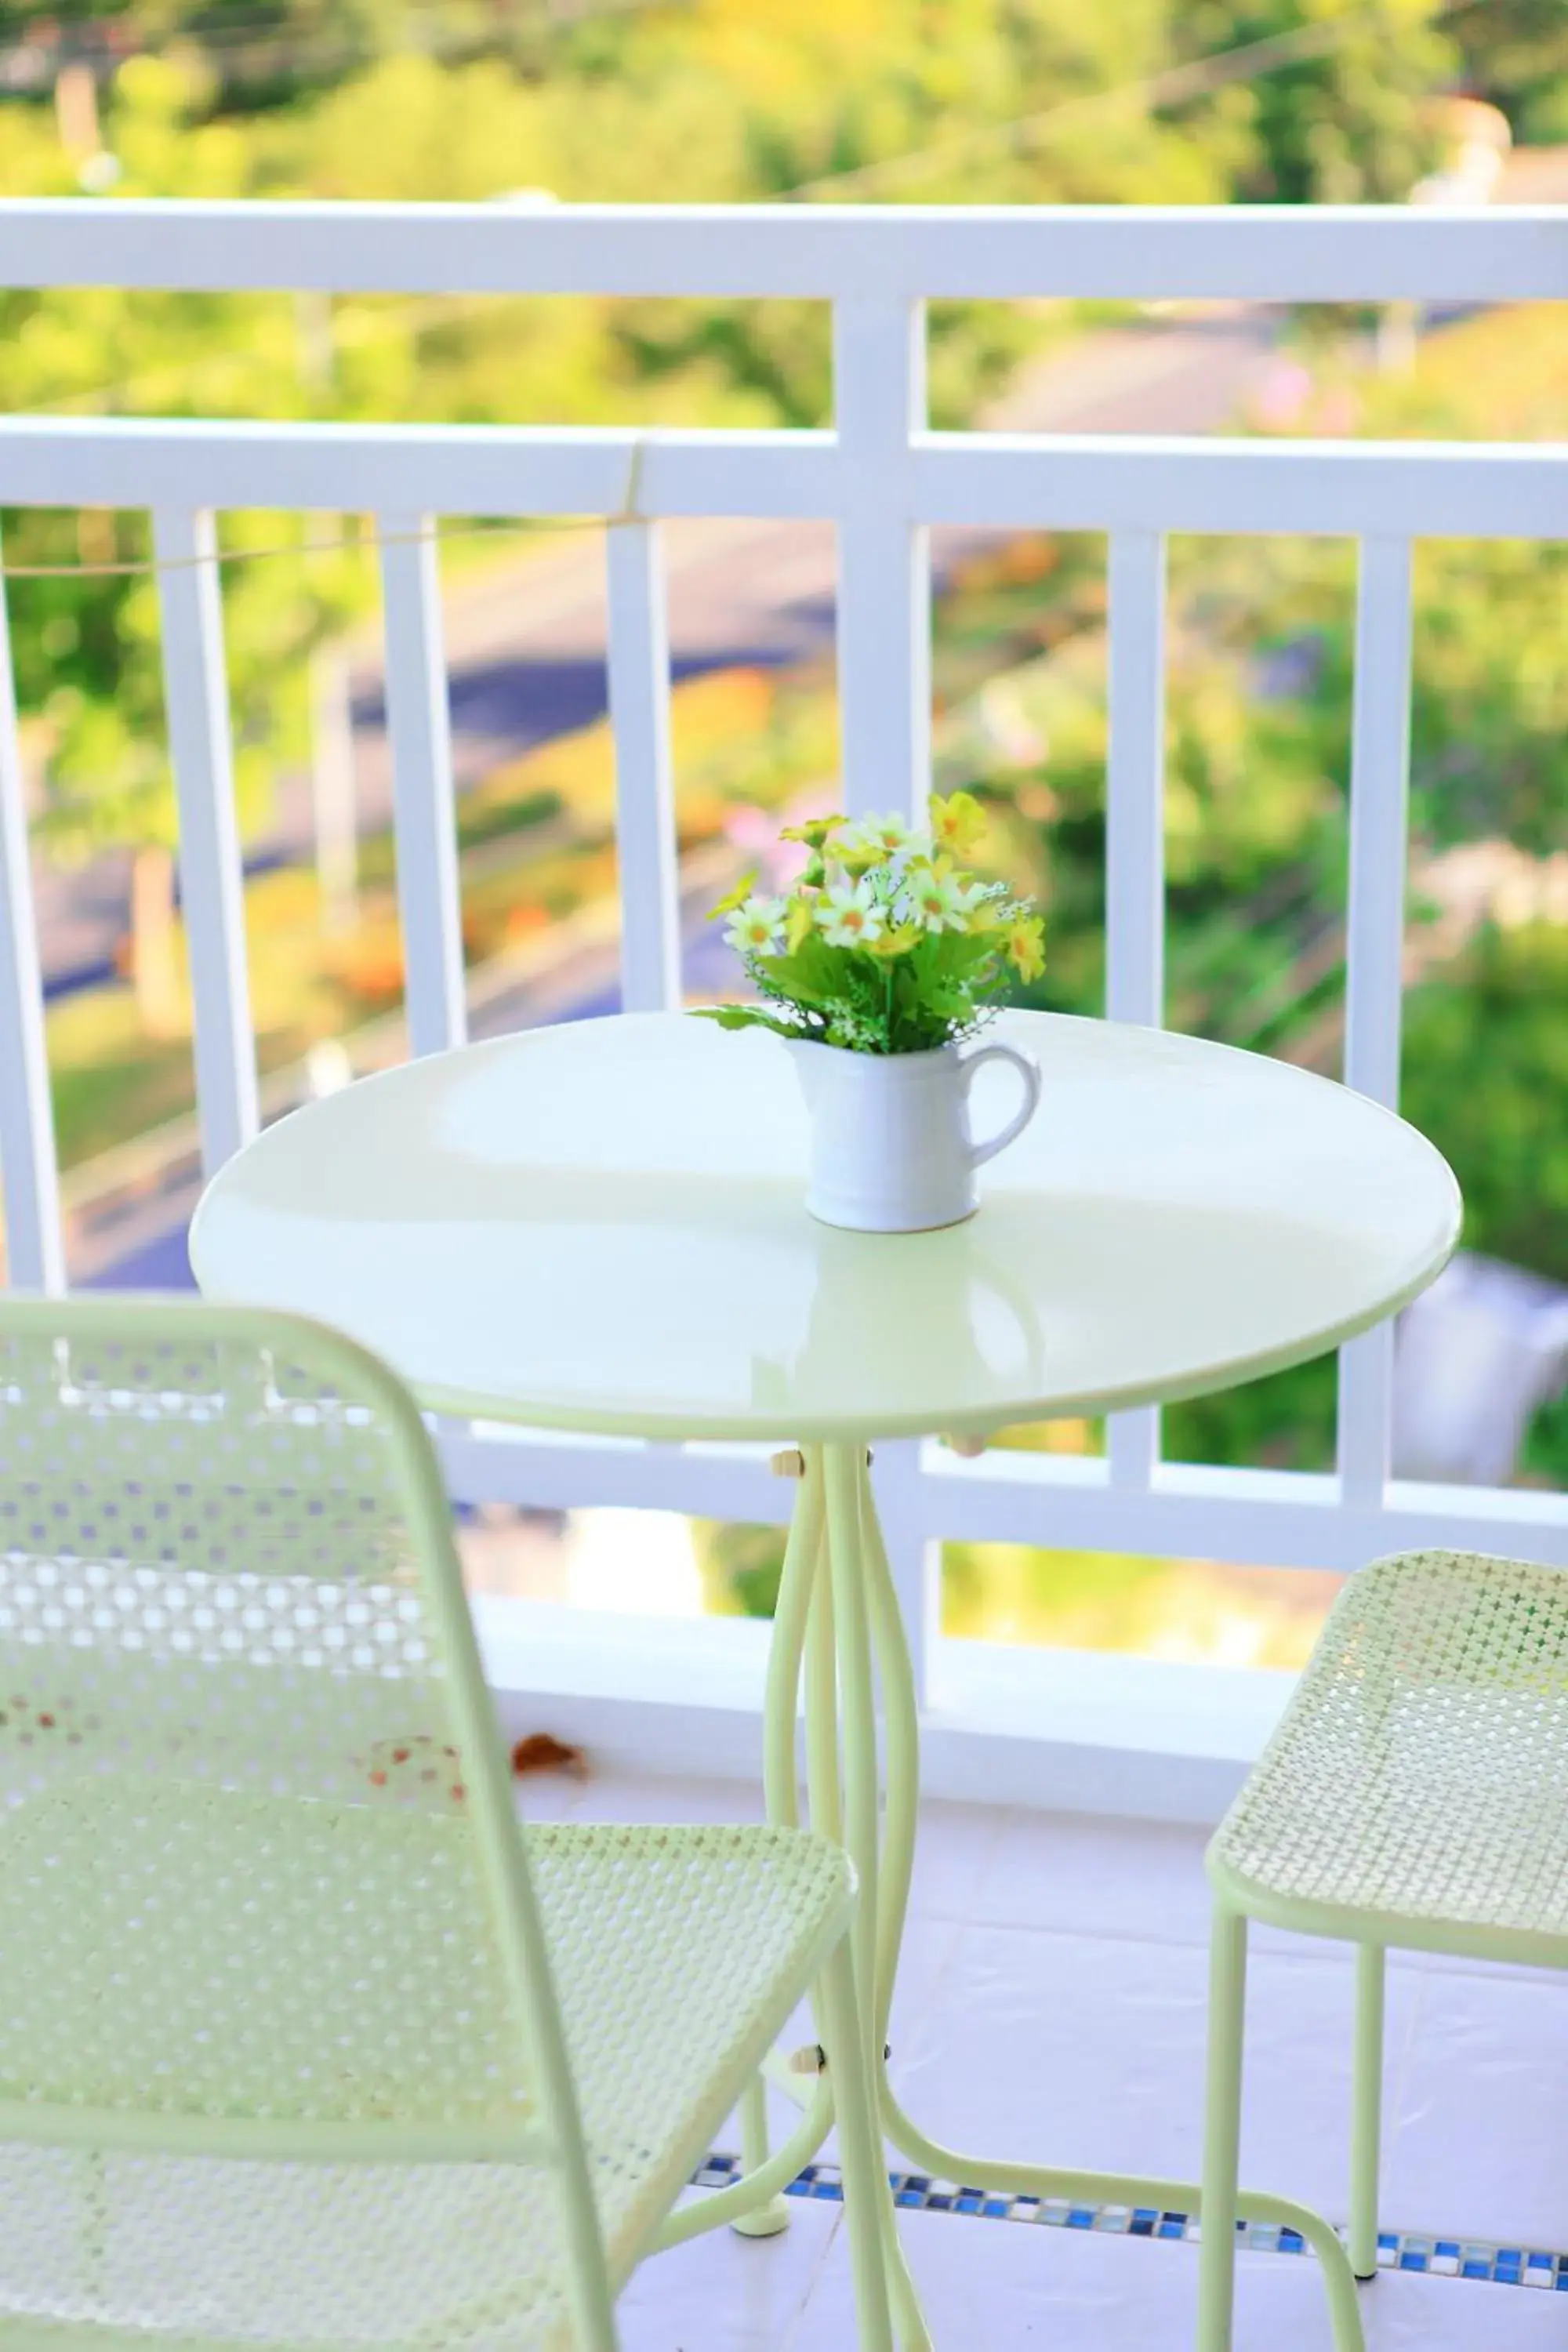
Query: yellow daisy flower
<point x="957" y="822"/>
<point x="1026" y="946"/>
<point x="873" y="840"/>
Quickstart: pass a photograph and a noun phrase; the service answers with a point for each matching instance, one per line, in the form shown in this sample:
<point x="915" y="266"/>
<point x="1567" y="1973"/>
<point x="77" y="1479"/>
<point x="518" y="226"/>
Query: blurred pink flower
<point x="1282" y="394"/>
<point x="750" y="828"/>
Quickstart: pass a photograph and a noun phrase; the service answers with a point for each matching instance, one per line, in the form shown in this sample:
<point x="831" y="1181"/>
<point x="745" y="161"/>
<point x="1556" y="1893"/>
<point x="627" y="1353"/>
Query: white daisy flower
<point x="756" y="926"/>
<point x="940" y="902"/>
<point x="849" y="916"/>
<point x="876" y="839"/>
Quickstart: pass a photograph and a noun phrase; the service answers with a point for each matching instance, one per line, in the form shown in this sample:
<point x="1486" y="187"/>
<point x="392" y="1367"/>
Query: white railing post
<point x="34" y="1254"/>
<point x="1135" y="857"/>
<point x="419" y="721"/>
<point x="884" y="720"/>
<point x="212" y="885"/>
<point x="884" y="556"/>
<point x="1374" y="950"/>
<point x="638" y="665"/>
<point x="914" y="1555"/>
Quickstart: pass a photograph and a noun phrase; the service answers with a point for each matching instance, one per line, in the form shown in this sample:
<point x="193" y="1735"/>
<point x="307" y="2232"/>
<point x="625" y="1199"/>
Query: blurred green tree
<point x="1486" y="1077"/>
<point x="86" y="645"/>
<point x="1349" y="125"/>
<point x="1515" y="54"/>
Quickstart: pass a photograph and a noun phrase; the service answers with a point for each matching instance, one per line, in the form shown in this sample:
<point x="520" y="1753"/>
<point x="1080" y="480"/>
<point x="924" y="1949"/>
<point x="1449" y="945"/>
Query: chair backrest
<point x="238" y="1674"/>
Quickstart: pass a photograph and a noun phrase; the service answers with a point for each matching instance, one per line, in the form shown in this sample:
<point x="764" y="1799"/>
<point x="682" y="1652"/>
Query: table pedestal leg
<point x="822" y="1629"/>
<point x="797" y="1615"/>
<point x="891" y="1869"/>
<point x="839" y="1624"/>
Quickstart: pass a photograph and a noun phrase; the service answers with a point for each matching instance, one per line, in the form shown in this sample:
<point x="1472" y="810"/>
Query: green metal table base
<point x="839" y="1624"/>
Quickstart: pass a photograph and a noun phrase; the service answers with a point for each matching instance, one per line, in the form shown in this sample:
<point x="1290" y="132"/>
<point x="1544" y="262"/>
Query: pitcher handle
<point x="1028" y="1071"/>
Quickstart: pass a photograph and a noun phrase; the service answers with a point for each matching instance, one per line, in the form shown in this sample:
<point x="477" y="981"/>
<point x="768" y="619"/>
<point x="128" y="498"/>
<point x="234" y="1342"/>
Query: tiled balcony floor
<point x="1052" y="2002"/>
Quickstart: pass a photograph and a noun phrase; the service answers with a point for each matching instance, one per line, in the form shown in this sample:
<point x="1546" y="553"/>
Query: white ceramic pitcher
<point x="890" y="1146"/>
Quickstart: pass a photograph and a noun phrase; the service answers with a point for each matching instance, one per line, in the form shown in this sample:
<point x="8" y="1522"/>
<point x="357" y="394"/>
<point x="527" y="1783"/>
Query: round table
<point x="601" y="1227"/>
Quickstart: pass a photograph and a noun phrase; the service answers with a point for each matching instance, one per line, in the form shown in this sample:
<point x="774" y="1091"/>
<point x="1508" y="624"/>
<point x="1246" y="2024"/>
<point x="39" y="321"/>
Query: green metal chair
<point x="302" y="2043"/>
<point x="1414" y="1795"/>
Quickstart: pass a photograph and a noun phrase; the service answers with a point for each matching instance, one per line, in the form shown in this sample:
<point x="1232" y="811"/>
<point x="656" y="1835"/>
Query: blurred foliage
<point x="1486" y="1075"/>
<point x="1196" y="1610"/>
<point x="1490" y="717"/>
<point x="742" y="1565"/>
<point x="1496" y="376"/>
<point x="976" y="96"/>
<point x="727" y="98"/>
<point x="697" y="103"/>
<point x="260" y="54"/>
<point x="1515" y="54"/>
<point x="1350" y="126"/>
<point x="1258" y="695"/>
<point x="1546" y="1446"/>
<point x="86" y="648"/>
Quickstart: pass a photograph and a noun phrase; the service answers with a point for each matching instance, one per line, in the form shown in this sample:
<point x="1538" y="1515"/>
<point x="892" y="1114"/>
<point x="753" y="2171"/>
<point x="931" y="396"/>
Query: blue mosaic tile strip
<point x="1409" y="2251"/>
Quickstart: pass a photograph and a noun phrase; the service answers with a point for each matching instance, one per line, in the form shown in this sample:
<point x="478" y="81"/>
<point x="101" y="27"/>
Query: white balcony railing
<point x="1100" y="1731"/>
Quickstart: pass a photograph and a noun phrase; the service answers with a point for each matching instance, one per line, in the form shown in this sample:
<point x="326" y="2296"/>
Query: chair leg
<point x="764" y="2220"/>
<point x="1222" y="2131"/>
<point x="1366" y="2127"/>
<point x="860" y="2148"/>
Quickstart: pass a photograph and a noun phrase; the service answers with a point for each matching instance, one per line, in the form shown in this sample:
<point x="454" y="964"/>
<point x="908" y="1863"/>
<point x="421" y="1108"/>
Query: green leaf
<point x="737" y="896"/>
<point x="744" y="1016"/>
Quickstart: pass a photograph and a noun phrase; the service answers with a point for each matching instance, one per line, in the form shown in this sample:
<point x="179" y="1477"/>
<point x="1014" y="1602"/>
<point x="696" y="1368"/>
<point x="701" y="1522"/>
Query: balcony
<point x="1042" y="1936"/>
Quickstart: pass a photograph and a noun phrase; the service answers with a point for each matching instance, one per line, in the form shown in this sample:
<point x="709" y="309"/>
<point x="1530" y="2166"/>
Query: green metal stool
<point x="303" y="2044"/>
<point x="1415" y="1795"/>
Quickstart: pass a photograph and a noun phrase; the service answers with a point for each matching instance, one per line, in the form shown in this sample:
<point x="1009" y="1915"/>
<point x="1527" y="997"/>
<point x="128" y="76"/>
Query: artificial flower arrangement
<point x="884" y="945"/>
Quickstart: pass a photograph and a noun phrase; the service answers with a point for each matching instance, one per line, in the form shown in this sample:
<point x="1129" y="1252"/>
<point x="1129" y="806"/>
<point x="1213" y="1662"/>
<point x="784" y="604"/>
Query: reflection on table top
<point x="601" y="1227"/>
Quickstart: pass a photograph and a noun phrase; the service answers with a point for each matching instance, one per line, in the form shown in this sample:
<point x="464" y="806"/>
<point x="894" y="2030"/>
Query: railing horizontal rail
<point x="441" y="468"/>
<point x="1434" y="490"/>
<point x="1070" y="482"/>
<point x="1262" y="253"/>
<point x="1204" y="1511"/>
<point x="1287" y="1518"/>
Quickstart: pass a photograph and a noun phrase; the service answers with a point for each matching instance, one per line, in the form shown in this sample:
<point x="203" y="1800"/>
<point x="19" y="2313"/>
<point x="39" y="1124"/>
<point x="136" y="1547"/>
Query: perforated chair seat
<point x="1417" y="1789"/>
<point x="201" y="1950"/>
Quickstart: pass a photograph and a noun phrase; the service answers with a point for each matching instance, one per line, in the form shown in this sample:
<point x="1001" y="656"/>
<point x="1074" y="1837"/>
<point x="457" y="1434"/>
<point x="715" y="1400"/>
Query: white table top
<point x="601" y="1227"/>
